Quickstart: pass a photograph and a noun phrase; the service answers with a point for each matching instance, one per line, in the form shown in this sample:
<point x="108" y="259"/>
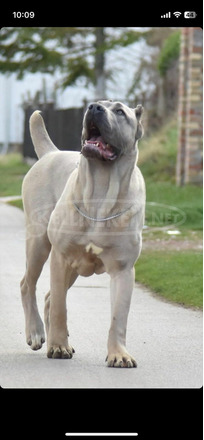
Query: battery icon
<point x="190" y="14"/>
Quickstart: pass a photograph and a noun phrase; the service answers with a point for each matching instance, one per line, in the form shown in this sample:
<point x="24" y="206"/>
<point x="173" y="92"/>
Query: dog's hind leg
<point x="37" y="252"/>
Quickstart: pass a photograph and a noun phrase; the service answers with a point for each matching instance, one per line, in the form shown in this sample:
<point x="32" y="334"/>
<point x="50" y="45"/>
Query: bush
<point x="169" y="52"/>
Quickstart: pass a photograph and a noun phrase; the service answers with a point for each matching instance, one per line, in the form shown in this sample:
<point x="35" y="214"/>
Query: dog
<point x="85" y="209"/>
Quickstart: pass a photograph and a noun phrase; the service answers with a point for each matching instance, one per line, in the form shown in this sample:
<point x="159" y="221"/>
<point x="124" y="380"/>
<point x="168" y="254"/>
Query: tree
<point x="100" y="63"/>
<point x="76" y="52"/>
<point x="78" y="56"/>
<point x="156" y="78"/>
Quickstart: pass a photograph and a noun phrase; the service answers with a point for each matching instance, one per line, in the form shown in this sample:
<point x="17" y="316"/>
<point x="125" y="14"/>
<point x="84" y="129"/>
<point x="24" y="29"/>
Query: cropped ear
<point x="138" y="112"/>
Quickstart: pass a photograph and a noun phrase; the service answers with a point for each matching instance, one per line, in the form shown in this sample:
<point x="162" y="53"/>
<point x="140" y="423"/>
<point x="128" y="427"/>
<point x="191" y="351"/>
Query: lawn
<point x="176" y="276"/>
<point x="12" y="171"/>
<point x="168" y="204"/>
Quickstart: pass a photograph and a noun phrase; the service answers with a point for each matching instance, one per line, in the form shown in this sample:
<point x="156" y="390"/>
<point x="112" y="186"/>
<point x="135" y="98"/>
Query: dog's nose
<point x="95" y="107"/>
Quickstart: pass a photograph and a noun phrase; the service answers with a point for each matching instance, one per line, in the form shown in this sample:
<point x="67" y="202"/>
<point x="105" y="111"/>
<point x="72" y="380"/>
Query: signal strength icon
<point x="167" y="15"/>
<point x="177" y="14"/>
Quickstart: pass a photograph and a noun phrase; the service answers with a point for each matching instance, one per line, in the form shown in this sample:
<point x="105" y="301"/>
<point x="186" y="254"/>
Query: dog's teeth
<point x="97" y="144"/>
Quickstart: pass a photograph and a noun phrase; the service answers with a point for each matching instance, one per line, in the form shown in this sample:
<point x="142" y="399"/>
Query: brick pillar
<point x="190" y="148"/>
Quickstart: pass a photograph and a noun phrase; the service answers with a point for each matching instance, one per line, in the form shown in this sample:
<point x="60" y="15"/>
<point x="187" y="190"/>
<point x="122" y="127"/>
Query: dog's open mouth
<point x="96" y="147"/>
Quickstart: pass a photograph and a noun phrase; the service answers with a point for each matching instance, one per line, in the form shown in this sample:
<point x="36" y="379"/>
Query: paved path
<point x="165" y="339"/>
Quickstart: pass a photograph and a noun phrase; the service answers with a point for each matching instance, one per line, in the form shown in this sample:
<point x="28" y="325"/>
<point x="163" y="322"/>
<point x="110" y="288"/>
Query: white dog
<point x="88" y="210"/>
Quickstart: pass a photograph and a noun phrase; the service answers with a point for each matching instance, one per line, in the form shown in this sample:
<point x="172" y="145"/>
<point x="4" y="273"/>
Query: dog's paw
<point x="121" y="360"/>
<point x="35" y="340"/>
<point x="60" y="352"/>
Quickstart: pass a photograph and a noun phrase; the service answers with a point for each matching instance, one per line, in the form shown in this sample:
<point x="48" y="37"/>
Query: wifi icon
<point x="177" y="14"/>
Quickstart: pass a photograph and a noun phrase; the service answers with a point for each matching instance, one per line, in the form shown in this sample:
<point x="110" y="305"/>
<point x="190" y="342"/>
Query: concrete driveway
<point x="165" y="339"/>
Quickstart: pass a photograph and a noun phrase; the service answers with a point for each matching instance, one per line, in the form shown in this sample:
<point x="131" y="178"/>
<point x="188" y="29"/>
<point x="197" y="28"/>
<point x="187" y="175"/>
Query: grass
<point x="12" y="171"/>
<point x="16" y="203"/>
<point x="174" y="206"/>
<point x="157" y="161"/>
<point x="176" y="276"/>
<point x="157" y="154"/>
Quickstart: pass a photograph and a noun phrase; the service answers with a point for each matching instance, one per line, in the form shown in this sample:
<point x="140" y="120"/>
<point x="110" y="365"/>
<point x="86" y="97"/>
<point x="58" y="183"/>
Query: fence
<point x="64" y="128"/>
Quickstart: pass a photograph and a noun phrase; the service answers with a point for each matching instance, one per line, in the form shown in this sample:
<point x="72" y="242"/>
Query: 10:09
<point x="23" y="14"/>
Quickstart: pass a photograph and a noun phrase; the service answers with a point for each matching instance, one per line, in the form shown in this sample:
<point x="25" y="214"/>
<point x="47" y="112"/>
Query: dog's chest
<point x="85" y="259"/>
<point x="93" y="249"/>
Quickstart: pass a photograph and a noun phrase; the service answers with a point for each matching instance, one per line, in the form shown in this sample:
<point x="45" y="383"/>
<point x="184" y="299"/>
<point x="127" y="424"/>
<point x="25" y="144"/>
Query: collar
<point x="111" y="217"/>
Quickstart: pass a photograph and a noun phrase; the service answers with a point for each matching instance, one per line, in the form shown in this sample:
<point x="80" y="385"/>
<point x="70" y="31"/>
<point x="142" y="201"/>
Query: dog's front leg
<point x="58" y="346"/>
<point x="121" y="292"/>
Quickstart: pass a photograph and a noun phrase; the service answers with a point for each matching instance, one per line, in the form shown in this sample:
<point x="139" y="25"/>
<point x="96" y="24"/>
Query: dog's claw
<point x="35" y="341"/>
<point x="119" y="361"/>
<point x="60" y="352"/>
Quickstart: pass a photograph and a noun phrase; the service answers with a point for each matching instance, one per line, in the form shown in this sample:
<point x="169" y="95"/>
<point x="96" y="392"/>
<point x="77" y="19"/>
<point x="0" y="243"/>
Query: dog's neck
<point x="102" y="188"/>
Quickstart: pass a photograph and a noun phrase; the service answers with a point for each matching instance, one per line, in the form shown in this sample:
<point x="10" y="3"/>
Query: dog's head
<point x="110" y="129"/>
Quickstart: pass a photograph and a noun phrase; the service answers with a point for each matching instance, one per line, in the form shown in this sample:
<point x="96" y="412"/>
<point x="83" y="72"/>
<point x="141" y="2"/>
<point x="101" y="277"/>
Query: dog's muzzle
<point x="95" y="145"/>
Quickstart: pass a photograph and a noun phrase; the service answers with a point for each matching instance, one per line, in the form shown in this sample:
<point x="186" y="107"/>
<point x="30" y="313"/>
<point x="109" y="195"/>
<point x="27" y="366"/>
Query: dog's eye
<point x="120" y="112"/>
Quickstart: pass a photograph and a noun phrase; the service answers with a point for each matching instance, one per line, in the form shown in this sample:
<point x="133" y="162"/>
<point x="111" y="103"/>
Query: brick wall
<point x="190" y="109"/>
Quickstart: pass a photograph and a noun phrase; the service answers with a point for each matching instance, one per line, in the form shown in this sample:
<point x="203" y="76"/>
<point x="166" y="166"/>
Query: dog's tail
<point x="41" y="140"/>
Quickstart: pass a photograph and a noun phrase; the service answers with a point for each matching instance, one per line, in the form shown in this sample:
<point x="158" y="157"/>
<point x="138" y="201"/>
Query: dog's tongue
<point x="95" y="139"/>
<point x="97" y="145"/>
